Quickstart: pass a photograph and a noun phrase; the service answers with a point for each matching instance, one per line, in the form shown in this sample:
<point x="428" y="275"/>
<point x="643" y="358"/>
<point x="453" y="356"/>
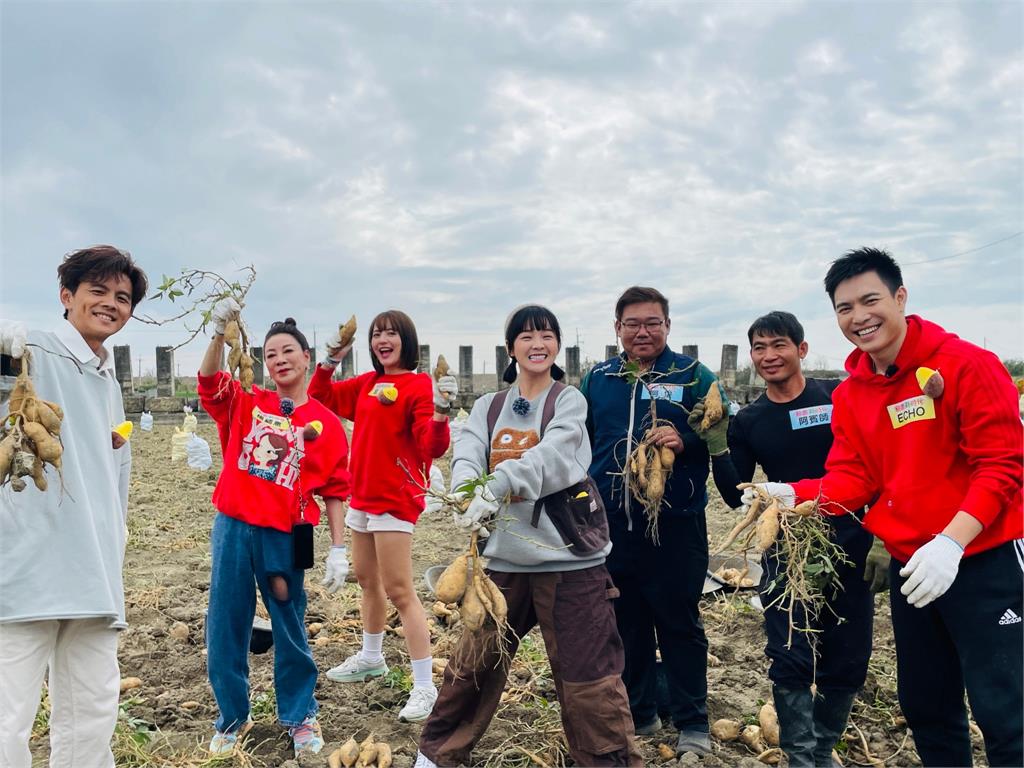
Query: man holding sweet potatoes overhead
<point x="926" y="431"/>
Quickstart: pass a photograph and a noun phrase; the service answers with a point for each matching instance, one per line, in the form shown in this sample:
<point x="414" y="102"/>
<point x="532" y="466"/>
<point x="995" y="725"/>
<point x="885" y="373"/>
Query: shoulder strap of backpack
<point x="546" y="415"/>
<point x="494" y="410"/>
<point x="549" y="406"/>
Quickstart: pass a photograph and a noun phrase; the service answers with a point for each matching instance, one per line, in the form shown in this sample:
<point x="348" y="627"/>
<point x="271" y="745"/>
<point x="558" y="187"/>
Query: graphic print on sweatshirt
<point x="272" y="450"/>
<point x="511" y="444"/>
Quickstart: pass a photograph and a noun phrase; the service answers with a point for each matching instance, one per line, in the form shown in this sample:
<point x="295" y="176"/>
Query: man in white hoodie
<point x="61" y="592"/>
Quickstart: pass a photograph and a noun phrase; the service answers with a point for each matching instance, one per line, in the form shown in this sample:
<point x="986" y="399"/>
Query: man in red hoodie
<point x="926" y="432"/>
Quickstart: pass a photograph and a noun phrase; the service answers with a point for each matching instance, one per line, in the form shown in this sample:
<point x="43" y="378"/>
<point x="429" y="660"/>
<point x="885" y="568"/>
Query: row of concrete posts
<point x="165" y="383"/>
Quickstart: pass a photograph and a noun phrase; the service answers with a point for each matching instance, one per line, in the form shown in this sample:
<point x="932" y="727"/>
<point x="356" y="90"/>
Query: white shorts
<point x="367" y="523"/>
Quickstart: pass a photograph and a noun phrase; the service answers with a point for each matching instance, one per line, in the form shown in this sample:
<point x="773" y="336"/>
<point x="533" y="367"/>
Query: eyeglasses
<point x="633" y="326"/>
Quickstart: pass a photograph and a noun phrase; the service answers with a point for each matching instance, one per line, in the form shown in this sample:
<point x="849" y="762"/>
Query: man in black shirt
<point x="787" y="431"/>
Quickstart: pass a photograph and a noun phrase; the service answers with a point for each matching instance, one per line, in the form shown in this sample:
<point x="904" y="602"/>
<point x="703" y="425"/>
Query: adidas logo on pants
<point x="1009" y="617"/>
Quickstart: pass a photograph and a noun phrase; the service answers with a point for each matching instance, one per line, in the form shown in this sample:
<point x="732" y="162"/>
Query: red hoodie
<point x="267" y="458"/>
<point x="918" y="461"/>
<point x="385" y="434"/>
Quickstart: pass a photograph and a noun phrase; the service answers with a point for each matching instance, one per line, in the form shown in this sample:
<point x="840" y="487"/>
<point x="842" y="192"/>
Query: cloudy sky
<point x="455" y="160"/>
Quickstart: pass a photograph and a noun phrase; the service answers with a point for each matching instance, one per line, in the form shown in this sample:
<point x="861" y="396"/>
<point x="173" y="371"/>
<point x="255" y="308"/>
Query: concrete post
<point x="501" y="361"/>
<point x="165" y="371"/>
<point x="610" y="351"/>
<point x="572" y="366"/>
<point x="465" y="369"/>
<point x="312" y="363"/>
<point x="690" y="350"/>
<point x="256" y="353"/>
<point x="727" y="374"/>
<point x="348" y="366"/>
<point x="425" y="366"/>
<point x="123" y="368"/>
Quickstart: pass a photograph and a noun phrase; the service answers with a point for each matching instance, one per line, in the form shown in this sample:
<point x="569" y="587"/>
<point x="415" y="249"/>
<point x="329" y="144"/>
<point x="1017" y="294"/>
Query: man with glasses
<point x="659" y="581"/>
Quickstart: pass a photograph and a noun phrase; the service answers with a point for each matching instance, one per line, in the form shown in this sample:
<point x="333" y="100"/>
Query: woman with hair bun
<point x="280" y="448"/>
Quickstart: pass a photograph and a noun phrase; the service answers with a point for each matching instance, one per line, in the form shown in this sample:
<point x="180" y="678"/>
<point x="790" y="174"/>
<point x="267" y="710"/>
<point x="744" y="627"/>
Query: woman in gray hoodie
<point x="546" y="551"/>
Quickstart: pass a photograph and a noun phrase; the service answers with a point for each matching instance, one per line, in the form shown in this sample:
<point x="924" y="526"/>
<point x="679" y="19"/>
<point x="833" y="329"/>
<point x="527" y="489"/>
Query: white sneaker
<point x="355" y="670"/>
<point x="421" y="702"/>
<point x="422" y="761"/>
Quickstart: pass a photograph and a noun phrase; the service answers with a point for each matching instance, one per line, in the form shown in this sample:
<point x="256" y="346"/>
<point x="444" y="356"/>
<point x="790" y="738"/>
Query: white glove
<point x="931" y="570"/>
<point x="334" y="353"/>
<point x="483" y="507"/>
<point x="223" y="312"/>
<point x="12" y="338"/>
<point x="445" y="390"/>
<point x="782" y="491"/>
<point x="335" y="568"/>
<point x="434" y="504"/>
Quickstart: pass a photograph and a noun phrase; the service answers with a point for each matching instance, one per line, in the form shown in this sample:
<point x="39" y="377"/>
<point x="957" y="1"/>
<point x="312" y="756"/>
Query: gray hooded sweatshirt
<point x="527" y="468"/>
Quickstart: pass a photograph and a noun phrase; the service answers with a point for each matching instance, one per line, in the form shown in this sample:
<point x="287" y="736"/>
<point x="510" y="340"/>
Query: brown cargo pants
<point x="577" y="621"/>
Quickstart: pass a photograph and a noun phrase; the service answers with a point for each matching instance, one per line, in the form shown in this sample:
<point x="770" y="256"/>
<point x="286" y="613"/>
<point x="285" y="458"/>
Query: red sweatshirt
<point x="919" y="461"/>
<point x="268" y="461"/>
<point x="384" y="434"/>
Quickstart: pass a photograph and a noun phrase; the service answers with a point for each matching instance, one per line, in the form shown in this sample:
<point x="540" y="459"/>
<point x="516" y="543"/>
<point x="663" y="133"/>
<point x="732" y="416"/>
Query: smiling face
<point x="872" y="317"/>
<point x="776" y="358"/>
<point x="98" y="310"/>
<point x="535" y="350"/>
<point x="643" y="329"/>
<point x="286" y="360"/>
<point x="386" y="345"/>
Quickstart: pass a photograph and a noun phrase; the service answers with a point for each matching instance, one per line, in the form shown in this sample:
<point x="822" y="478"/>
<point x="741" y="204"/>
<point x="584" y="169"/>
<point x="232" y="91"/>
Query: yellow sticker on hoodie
<point x="920" y="408"/>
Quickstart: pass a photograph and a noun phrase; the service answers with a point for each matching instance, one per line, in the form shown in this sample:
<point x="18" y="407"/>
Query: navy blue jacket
<point x="618" y="409"/>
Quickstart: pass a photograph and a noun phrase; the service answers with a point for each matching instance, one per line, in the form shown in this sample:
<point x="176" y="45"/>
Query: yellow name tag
<point x="920" y="408"/>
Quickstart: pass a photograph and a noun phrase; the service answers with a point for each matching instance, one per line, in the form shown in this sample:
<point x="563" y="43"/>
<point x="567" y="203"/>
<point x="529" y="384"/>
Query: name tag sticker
<point x="673" y="392"/>
<point x="920" y="408"/>
<point x="815" y="415"/>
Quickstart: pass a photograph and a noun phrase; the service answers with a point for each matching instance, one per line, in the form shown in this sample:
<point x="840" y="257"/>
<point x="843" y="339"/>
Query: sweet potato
<point x="806" y="508"/>
<point x="452" y="584"/>
<point x="58" y="411"/>
<point x="441" y="369"/>
<point x="769" y="721"/>
<point x="37" y="475"/>
<point x="751" y="736"/>
<point x="367" y="751"/>
<point x="48" y="448"/>
<point x="499" y="606"/>
<point x="668" y="457"/>
<point x="383" y="755"/>
<point x="334" y="759"/>
<point x="655" y="481"/>
<point x="349" y="753"/>
<point x="22" y="388"/>
<point x="768" y="526"/>
<point x="473" y="613"/>
<point x="232" y="333"/>
<point x="6" y="457"/>
<point x="347" y="331"/>
<point x="713" y="410"/>
<point x="725" y="730"/>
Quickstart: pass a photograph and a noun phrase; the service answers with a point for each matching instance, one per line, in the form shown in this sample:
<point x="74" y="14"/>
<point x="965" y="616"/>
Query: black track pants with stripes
<point x="971" y="637"/>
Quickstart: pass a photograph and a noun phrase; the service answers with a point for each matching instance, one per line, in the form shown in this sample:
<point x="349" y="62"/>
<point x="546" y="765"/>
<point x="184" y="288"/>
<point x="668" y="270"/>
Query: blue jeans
<point x="245" y="556"/>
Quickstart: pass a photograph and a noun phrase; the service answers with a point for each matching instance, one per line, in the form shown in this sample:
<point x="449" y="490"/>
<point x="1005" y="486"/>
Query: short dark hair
<point x="289" y="327"/>
<point x="98" y="263"/>
<point x="859" y="261"/>
<point x="777" y="323"/>
<point x="639" y="294"/>
<point x="530" y="317"/>
<point x="398" y="321"/>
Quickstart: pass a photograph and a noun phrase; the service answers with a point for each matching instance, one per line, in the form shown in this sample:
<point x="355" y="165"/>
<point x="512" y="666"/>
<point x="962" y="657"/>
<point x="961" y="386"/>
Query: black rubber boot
<point x="831" y="712"/>
<point x="795" y="708"/>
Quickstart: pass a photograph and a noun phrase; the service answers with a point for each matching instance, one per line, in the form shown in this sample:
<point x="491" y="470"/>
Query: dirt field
<point x="167" y="721"/>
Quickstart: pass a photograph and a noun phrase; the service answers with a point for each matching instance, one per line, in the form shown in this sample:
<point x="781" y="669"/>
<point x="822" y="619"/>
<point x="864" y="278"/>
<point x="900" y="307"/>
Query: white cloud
<point x="824" y="57"/>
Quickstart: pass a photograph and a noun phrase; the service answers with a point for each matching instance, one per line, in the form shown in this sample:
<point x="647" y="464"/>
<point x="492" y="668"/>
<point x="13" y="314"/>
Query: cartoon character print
<point x="272" y="450"/>
<point x="511" y="444"/>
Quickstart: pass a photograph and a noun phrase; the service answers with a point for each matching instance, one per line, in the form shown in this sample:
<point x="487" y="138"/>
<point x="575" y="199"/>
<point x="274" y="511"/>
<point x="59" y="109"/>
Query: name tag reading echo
<point x="920" y="408"/>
